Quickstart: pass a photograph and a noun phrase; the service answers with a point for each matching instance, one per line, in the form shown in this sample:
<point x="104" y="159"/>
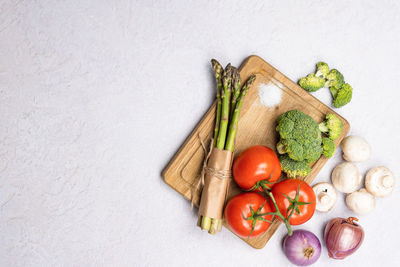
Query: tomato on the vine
<point x="244" y="214"/>
<point x="294" y="198"/>
<point x="255" y="166"/>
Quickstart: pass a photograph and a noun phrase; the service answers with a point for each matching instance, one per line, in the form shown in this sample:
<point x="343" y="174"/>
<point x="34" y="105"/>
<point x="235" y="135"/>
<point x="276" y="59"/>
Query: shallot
<point x="343" y="237"/>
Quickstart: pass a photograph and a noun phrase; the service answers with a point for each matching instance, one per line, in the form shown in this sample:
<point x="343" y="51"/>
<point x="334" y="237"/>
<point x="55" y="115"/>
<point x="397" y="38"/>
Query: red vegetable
<point x="244" y="214"/>
<point x="343" y="237"/>
<point x="302" y="248"/>
<point x="255" y="167"/>
<point x="294" y="198"/>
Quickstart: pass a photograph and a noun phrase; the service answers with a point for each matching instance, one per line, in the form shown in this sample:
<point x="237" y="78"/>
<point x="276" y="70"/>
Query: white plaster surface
<point x="97" y="96"/>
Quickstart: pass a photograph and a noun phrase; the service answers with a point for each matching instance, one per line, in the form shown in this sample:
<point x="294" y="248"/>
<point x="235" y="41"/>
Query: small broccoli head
<point x="300" y="136"/>
<point x="332" y="126"/>
<point x="343" y="96"/>
<point x="291" y="147"/>
<point x="312" y="83"/>
<point x="322" y="69"/>
<point x="335" y="78"/>
<point x="285" y="127"/>
<point x="294" y="169"/>
<point x="328" y="147"/>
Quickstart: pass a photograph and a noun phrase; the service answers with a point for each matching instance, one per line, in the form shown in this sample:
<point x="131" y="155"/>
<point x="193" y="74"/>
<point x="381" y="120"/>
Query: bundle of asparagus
<point x="230" y="95"/>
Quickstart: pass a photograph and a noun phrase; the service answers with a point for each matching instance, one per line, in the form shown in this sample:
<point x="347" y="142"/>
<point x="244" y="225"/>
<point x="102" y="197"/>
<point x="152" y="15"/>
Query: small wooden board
<point x="256" y="126"/>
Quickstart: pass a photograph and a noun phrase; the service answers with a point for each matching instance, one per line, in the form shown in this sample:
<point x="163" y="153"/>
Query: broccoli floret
<point x="341" y="96"/>
<point x="331" y="126"/>
<point x="322" y="69"/>
<point x="294" y="169"/>
<point x="335" y="78"/>
<point x="312" y="83"/>
<point x="328" y="147"/>
<point x="291" y="147"/>
<point x="300" y="136"/>
<point x="313" y="151"/>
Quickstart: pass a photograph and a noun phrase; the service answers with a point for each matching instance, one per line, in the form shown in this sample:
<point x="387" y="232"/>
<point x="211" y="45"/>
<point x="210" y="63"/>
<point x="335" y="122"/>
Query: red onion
<point x="343" y="237"/>
<point x="302" y="248"/>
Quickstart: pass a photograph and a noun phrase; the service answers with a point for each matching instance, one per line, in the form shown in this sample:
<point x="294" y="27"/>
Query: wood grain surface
<point x="256" y="126"/>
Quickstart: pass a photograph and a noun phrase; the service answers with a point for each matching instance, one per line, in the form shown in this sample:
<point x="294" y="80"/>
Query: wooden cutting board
<point x="256" y="126"/>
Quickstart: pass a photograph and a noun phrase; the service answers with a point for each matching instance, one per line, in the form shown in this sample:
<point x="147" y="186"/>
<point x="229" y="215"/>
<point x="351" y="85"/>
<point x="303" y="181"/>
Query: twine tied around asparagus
<point x="220" y="174"/>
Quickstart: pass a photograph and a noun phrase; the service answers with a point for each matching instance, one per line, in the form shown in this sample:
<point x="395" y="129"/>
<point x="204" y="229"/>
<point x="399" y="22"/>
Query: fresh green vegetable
<point x="230" y="95"/>
<point x="226" y="99"/>
<point x="218" y="70"/>
<point x="312" y="83"/>
<point x="322" y="69"/>
<point x="300" y="136"/>
<point x="328" y="147"/>
<point x="341" y="96"/>
<point x="233" y="125"/>
<point x="236" y="81"/>
<point x="331" y="126"/>
<point x="335" y="78"/>
<point x="294" y="168"/>
<point x="341" y="91"/>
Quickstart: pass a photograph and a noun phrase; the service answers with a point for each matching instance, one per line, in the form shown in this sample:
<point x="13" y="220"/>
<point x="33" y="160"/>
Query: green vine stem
<point x="278" y="213"/>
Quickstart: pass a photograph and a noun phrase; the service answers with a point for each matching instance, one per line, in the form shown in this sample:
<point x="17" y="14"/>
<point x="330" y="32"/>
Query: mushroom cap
<point x="355" y="148"/>
<point x="325" y="195"/>
<point x="361" y="201"/>
<point x="380" y="181"/>
<point x="346" y="177"/>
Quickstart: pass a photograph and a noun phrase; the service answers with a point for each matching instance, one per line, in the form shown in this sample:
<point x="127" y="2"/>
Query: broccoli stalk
<point x="322" y="69"/>
<point x="331" y="126"/>
<point x="335" y="78"/>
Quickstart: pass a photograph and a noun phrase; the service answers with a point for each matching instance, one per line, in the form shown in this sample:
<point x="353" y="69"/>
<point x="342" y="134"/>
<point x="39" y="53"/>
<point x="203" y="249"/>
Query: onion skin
<point x="302" y="248"/>
<point x="343" y="237"/>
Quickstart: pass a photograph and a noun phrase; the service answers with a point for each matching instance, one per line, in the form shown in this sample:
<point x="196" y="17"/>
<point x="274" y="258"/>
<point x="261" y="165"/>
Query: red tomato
<point x="238" y="209"/>
<point x="255" y="164"/>
<point x="289" y="188"/>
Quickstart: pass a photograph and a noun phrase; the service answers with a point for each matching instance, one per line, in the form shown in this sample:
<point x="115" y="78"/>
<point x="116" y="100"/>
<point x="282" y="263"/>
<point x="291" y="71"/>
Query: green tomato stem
<point x="278" y="212"/>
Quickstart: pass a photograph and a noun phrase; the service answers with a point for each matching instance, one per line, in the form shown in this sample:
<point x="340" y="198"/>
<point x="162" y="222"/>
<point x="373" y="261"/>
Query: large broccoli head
<point x="341" y="95"/>
<point x="294" y="169"/>
<point x="328" y="147"/>
<point x="332" y="126"/>
<point x="300" y="136"/>
<point x="312" y="83"/>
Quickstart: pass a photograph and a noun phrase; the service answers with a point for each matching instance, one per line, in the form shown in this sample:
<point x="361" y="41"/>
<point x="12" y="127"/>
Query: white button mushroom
<point x="355" y="148"/>
<point x="325" y="195"/>
<point x="360" y="202"/>
<point x="345" y="177"/>
<point x="379" y="181"/>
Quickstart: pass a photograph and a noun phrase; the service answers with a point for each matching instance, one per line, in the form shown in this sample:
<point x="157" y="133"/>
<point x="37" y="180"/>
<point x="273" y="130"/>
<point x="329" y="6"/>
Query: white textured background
<point x="96" y="97"/>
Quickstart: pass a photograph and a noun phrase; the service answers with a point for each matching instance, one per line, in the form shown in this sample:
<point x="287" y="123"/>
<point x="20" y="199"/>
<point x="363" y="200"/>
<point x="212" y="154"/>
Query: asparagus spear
<point x="211" y="224"/>
<point x="207" y="222"/>
<point x="225" y="97"/>
<point x="233" y="125"/>
<point x="236" y="89"/>
<point x="218" y="71"/>
<point x="230" y="140"/>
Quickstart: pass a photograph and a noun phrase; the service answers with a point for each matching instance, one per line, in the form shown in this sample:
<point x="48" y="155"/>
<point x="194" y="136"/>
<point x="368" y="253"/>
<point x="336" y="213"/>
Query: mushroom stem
<point x="323" y="198"/>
